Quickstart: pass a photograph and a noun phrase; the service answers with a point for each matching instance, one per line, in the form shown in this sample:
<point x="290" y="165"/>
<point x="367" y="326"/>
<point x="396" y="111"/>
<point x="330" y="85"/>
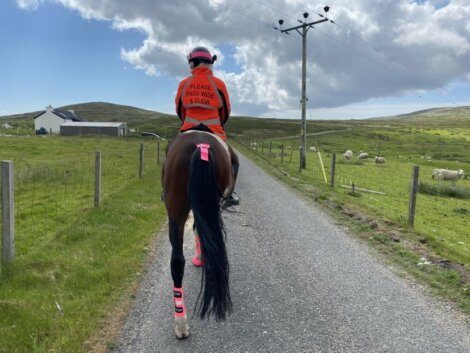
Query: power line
<point x="352" y="32"/>
<point x="243" y="15"/>
<point x="318" y="48"/>
<point x="276" y="10"/>
<point x="403" y="77"/>
<point x="357" y="67"/>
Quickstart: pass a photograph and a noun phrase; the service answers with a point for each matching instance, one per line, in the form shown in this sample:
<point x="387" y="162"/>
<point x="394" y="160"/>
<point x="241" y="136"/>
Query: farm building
<point x="73" y="128"/>
<point x="49" y="121"/>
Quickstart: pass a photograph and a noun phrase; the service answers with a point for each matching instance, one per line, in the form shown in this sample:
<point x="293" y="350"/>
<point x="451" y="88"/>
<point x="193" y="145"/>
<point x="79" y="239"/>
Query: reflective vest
<point x="201" y="102"/>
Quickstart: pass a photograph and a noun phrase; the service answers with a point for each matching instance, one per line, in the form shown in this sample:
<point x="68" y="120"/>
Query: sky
<point x="378" y="57"/>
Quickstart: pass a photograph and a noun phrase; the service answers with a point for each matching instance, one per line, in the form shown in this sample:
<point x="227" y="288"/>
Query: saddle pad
<point x="219" y="139"/>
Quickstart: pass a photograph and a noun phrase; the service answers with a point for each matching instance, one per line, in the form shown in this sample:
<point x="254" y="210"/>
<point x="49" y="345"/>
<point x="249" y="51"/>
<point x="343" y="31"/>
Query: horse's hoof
<point x="181" y="328"/>
<point x="182" y="335"/>
<point x="197" y="262"/>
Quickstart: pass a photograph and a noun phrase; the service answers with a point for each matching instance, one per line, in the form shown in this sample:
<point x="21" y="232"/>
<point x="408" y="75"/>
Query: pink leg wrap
<point x="180" y="308"/>
<point x="197" y="259"/>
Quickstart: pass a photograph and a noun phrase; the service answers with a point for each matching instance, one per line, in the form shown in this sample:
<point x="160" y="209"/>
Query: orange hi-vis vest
<point x="203" y="99"/>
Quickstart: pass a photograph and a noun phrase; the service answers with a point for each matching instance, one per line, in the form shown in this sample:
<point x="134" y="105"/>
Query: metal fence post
<point x="141" y="160"/>
<point x="413" y="192"/>
<point x="8" y="212"/>
<point x="332" y="175"/>
<point x="97" y="178"/>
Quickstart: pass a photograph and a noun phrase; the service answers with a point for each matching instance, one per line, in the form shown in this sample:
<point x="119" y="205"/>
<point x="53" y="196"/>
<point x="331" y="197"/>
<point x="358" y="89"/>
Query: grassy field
<point x="435" y="138"/>
<point x="442" y="223"/>
<point x="73" y="261"/>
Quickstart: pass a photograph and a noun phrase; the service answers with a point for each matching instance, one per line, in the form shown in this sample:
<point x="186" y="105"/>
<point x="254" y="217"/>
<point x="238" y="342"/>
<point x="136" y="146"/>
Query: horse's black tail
<point x="205" y="198"/>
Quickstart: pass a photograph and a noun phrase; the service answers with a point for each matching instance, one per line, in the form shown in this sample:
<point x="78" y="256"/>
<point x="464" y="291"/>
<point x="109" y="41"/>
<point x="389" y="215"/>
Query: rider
<point x="202" y="103"/>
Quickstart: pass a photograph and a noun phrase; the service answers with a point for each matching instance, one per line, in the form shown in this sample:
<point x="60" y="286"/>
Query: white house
<point x="51" y="119"/>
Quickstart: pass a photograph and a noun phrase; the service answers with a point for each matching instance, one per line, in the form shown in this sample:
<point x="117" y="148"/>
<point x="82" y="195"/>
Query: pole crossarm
<point x="303" y="24"/>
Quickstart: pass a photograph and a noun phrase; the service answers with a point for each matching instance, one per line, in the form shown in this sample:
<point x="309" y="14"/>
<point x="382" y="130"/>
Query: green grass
<point x="444" y="190"/>
<point x="429" y="139"/>
<point x="445" y="230"/>
<point x="401" y="246"/>
<point x="70" y="255"/>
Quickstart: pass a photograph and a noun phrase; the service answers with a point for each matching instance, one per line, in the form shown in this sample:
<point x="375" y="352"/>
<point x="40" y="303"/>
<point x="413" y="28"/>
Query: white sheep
<point x="348" y="154"/>
<point x="363" y="155"/>
<point x="254" y="145"/>
<point x="446" y="174"/>
<point x="313" y="149"/>
<point x="379" y="160"/>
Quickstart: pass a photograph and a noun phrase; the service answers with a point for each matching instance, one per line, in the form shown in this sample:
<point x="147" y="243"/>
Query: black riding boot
<point x="233" y="199"/>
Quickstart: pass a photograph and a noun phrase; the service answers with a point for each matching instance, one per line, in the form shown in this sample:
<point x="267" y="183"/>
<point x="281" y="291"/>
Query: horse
<point x="197" y="175"/>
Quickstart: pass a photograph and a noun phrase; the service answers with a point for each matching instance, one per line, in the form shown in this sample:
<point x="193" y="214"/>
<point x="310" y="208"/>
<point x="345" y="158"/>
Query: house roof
<point x="92" y="124"/>
<point x="64" y="114"/>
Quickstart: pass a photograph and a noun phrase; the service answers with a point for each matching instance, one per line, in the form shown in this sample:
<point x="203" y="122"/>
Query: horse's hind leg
<point x="197" y="259"/>
<point x="177" y="273"/>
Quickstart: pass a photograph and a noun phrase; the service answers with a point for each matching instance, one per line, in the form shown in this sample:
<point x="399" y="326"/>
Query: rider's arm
<point x="180" y="111"/>
<point x="225" y="111"/>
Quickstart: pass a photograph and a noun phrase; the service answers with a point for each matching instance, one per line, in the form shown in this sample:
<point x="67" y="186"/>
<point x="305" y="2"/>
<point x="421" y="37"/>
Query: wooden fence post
<point x="413" y="192"/>
<point x="97" y="178"/>
<point x="141" y="160"/>
<point x="300" y="160"/>
<point x="291" y="152"/>
<point x="158" y="152"/>
<point x="270" y="149"/>
<point x="8" y="212"/>
<point x="282" y="154"/>
<point x="332" y="172"/>
<point x="262" y="147"/>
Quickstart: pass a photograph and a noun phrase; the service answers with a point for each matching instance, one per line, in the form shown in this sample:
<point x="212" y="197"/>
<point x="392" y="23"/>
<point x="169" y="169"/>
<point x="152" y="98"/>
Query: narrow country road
<point x="299" y="283"/>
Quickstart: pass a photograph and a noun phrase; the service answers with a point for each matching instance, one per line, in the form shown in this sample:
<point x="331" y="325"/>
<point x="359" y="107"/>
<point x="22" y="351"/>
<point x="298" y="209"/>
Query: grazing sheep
<point x="446" y="174"/>
<point x="348" y="154"/>
<point x="313" y="149"/>
<point x="254" y="145"/>
<point x="379" y="160"/>
<point x="288" y="148"/>
<point x="363" y="155"/>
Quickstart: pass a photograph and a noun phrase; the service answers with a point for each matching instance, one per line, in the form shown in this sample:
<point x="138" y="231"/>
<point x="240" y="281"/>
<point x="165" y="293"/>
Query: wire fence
<point x="383" y="189"/>
<point x="50" y="195"/>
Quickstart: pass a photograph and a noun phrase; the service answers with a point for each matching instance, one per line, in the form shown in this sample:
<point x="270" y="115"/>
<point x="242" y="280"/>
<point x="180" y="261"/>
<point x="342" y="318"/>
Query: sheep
<point x="379" y="160"/>
<point x="446" y="174"/>
<point x="348" y="154"/>
<point x="363" y="155"/>
<point x="254" y="145"/>
<point x="313" y="149"/>
<point x="288" y="148"/>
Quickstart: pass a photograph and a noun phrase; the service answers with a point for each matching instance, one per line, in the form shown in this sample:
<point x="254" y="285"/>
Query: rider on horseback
<point x="202" y="103"/>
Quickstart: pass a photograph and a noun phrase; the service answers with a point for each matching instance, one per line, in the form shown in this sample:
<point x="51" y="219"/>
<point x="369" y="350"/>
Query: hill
<point x="436" y="117"/>
<point x="249" y="127"/>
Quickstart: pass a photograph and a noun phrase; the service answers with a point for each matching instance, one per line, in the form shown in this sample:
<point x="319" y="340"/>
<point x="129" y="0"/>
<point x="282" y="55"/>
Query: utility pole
<point x="305" y="27"/>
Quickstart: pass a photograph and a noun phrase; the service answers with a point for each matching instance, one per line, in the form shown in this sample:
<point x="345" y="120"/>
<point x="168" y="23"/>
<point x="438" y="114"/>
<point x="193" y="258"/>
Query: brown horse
<point x="198" y="176"/>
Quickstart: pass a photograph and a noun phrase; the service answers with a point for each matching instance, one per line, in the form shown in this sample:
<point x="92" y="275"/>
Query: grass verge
<point x="400" y="246"/>
<point x="57" y="297"/>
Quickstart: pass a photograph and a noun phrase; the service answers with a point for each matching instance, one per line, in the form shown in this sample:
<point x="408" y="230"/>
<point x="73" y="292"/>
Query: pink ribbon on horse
<point x="204" y="147"/>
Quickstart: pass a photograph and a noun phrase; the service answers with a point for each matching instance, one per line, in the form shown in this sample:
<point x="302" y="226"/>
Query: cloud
<point x="28" y="4"/>
<point x="431" y="38"/>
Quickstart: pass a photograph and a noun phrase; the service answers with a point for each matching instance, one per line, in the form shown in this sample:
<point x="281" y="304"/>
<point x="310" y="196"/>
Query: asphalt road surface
<point x="299" y="283"/>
